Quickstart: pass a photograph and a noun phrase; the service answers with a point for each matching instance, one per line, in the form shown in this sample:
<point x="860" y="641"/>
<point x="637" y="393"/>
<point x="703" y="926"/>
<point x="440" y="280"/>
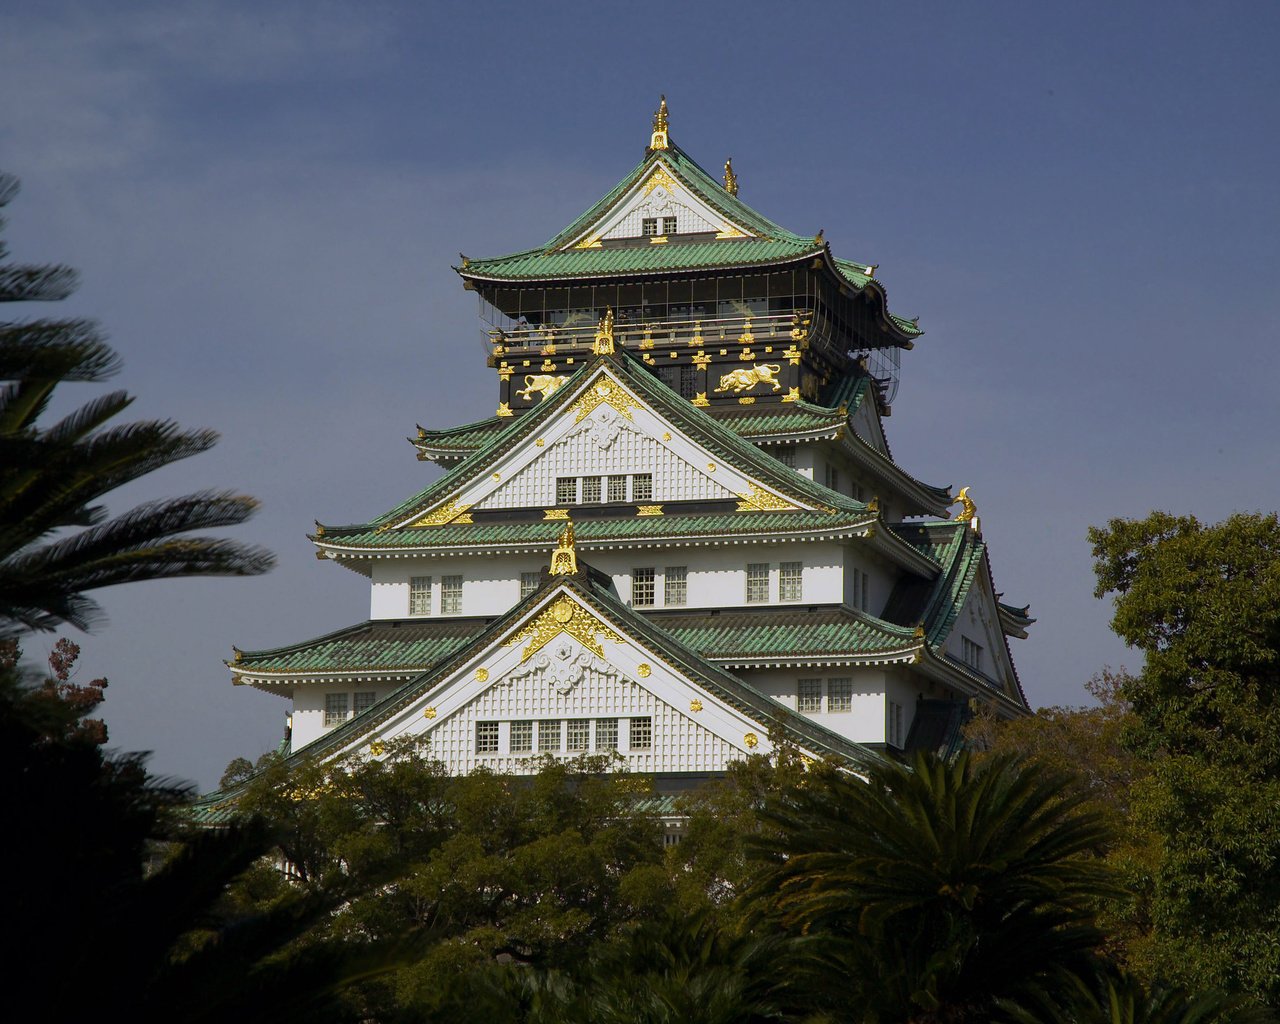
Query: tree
<point x="56" y="540"/>
<point x="1203" y="605"/>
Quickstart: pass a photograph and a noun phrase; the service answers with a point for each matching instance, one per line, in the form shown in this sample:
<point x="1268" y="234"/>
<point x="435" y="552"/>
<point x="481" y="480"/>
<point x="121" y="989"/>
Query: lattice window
<point x="486" y="737"/>
<point x="971" y="653"/>
<point x="419" y="595"/>
<point x="675" y="587"/>
<point x="787" y="456"/>
<point x="617" y="488"/>
<point x="809" y="695"/>
<point x="683" y="380"/>
<point x="335" y="708"/>
<point x="757" y="582"/>
<point x="642" y="588"/>
<point x="650" y="226"/>
<point x="364" y="700"/>
<point x="641" y="734"/>
<point x="529" y="583"/>
<point x="791" y="581"/>
<point x="840" y="694"/>
<point x="549" y="734"/>
<point x="860" y="589"/>
<point x="668" y="225"/>
<point x="606" y="734"/>
<point x="642" y="487"/>
<point x="450" y="595"/>
<point x="893" y="727"/>
<point x="590" y="489"/>
<point x="521" y="737"/>
<point x="566" y="490"/>
<point x="579" y="734"/>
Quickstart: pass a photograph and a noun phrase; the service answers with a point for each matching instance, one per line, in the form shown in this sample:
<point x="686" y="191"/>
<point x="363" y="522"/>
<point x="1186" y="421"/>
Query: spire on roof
<point x="659" y="139"/>
<point x="564" y="559"/>
<point x="730" y="179"/>
<point x="603" y="345"/>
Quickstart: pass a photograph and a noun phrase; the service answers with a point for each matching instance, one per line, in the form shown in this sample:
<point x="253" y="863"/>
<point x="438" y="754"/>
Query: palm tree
<point x="1119" y="998"/>
<point x="940" y="888"/>
<point x="56" y="540"/>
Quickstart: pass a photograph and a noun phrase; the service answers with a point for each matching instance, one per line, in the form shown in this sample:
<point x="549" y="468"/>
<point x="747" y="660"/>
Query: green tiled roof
<point x="463" y="438"/>
<point x="784" y="633"/>
<point x="371" y="646"/>
<point x="769" y="420"/>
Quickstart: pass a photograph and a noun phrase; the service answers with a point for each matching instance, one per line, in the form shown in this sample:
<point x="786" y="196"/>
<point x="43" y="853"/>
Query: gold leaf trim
<point x="555" y="513"/>
<point x="760" y="500"/>
<point x="649" y="510"/>
<point x="644" y="670"/>
<point x="603" y="392"/>
<point x="563" y="615"/>
<point x="482" y="675"/>
<point x="446" y="513"/>
<point x="751" y="740"/>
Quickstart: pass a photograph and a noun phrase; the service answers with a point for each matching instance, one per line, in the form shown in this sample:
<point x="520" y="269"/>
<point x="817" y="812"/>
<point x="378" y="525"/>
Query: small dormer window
<point x="651" y="226"/>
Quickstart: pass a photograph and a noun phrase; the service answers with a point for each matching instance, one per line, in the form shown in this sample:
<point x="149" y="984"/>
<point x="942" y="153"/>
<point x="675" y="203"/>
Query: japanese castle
<point x="680" y="536"/>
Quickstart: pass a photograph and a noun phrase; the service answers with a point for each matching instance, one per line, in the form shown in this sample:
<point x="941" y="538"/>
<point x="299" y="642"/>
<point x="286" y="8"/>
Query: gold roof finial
<point x="730" y="179"/>
<point x="659" y="139"/>
<point x="967" y="508"/>
<point x="604" y="334"/>
<point x="818" y="239"/>
<point x="564" y="559"/>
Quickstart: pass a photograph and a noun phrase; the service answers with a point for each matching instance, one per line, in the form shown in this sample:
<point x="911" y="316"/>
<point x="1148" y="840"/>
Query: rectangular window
<point x="335" y="708"/>
<point x="450" y="595"/>
<point x="791" y="581"/>
<point x="893" y="727"/>
<point x="809" y="695"/>
<point x="641" y="734"/>
<point x="579" y="734"/>
<point x="486" y="737"/>
<point x="859" y="492"/>
<point x="617" y="488"/>
<point x="642" y="589"/>
<point x="668" y="225"/>
<point x="364" y="700"/>
<point x="758" y="583"/>
<point x="606" y="734"/>
<point x="675" y="587"/>
<point x="860" y="589"/>
<point x="787" y="456"/>
<point x="419" y="595"/>
<point x="590" y="489"/>
<point x="521" y="737"/>
<point x="529" y="583"/>
<point x="549" y="734"/>
<point x="972" y="653"/>
<point x="642" y="487"/>
<point x="649" y="225"/>
<point x="839" y="694"/>
<point x="566" y="490"/>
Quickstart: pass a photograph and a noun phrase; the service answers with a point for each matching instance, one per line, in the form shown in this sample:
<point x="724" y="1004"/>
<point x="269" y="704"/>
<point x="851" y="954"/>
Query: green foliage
<point x="1203" y="605"/>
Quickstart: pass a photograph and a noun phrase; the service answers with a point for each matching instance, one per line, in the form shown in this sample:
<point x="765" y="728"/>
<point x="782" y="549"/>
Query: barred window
<point x="335" y="708"/>
<point x="419" y="595"/>
<point x="641" y="734"/>
<point x="683" y="380"/>
<point x="668" y="225"/>
<point x="591" y="488"/>
<point x="642" y="588"/>
<point x="486" y="737"/>
<point x="893" y="726"/>
<point x="549" y="734"/>
<point x="757" y="582"/>
<point x="809" y="695"/>
<point x="364" y="700"/>
<point x="566" y="490"/>
<point x="529" y="583"/>
<point x="649" y="225"/>
<point x="521" y="737"/>
<point x="617" y="488"/>
<point x="840" y="694"/>
<point x="787" y="456"/>
<point x="450" y="595"/>
<point x="860" y="589"/>
<point x="675" y="587"/>
<point x="579" y="731"/>
<point x="642" y="487"/>
<point x="971" y="653"/>
<point x="606" y="734"/>
<point x="790" y="581"/>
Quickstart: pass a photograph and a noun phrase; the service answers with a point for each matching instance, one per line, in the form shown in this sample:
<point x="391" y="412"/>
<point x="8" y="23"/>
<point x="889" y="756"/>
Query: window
<point x="790" y="581"/>
<point x="972" y="653"/>
<point x="683" y="380"/>
<point x="529" y="583"/>
<point x="831" y="477"/>
<point x="450" y="595"/>
<point x="335" y="708"/>
<point x="641" y="734"/>
<point x="606" y="734"/>
<point x="364" y="701"/>
<point x="859" y="491"/>
<point x="419" y="595"/>
<point x="549" y="734"/>
<point x="893" y="727"/>
<point x="787" y="456"/>
<point x="617" y="488"/>
<point x="649" y="225"/>
<point x="566" y="490"/>
<point x="809" y="695"/>
<point x="486" y="737"/>
<point x="675" y="587"/>
<point x="757" y="582"/>
<point x="668" y="225"/>
<point x="642" y="589"/>
<point x="591" y="489"/>
<point x="521" y="737"/>
<point x="840" y="694"/>
<point x="642" y="487"/>
<point x="579" y="734"/>
<point x="860" y="588"/>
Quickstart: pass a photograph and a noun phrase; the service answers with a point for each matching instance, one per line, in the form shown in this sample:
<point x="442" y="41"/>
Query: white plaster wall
<point x="490" y="583"/>
<point x="308" y="707"/>
<point x="866" y="424"/>
<point x="880" y="579"/>
<point x="865" y="723"/>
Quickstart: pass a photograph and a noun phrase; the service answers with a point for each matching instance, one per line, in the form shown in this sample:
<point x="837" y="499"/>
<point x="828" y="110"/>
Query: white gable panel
<point x="866" y="424"/>
<point x="979" y="622"/>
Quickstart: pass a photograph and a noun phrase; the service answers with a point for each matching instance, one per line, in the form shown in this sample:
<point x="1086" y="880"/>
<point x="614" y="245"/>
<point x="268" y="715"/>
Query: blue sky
<point x="1079" y="201"/>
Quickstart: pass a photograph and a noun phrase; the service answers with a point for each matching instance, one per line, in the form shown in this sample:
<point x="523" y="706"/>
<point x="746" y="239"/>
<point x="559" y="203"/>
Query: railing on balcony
<point x="739" y="329"/>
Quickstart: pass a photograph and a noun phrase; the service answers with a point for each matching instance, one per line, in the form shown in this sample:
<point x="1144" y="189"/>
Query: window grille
<point x="642" y="487"/>
<point x="617" y="488"/>
<point x="606" y="734"/>
<point x="791" y="581"/>
<point x="486" y="737"/>
<point x="363" y="701"/>
<point x="450" y="595"/>
<point x="971" y="653"/>
<point x="335" y="708"/>
<point x="529" y="583"/>
<point x="641" y="734"/>
<point x="668" y="225"/>
<point x="809" y="695"/>
<point x="642" y="588"/>
<point x="549" y="734"/>
<point x="893" y="728"/>
<point x="590" y="489"/>
<point x="840" y="694"/>
<point x="757" y="582"/>
<point x="675" y="587"/>
<point x="787" y="456"/>
<point x="566" y="490"/>
<point x="649" y="225"/>
<point x="419" y="595"/>
<point x="521" y="737"/>
<point x="579" y="734"/>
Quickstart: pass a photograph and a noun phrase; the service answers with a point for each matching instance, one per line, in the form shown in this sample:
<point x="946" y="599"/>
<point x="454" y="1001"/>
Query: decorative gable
<point x="865" y="421"/>
<point x="977" y="638"/>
